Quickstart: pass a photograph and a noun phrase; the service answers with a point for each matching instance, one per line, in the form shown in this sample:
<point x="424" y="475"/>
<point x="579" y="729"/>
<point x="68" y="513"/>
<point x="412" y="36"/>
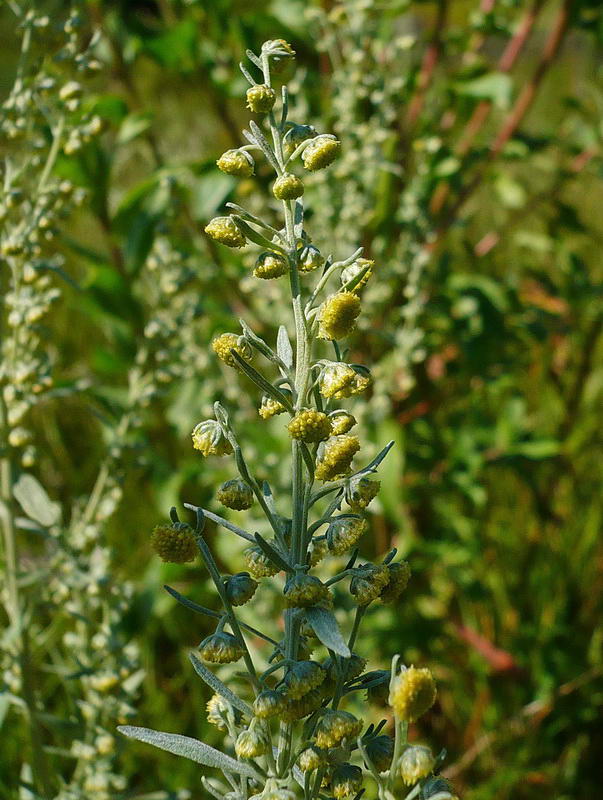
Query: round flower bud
<point x="378" y="692"/>
<point x="220" y="648"/>
<point x="219" y="710"/>
<point x="303" y="591"/>
<point x="269" y="703"/>
<point x="288" y="187"/>
<point x="270" y="265"/>
<point x="298" y="709"/>
<point x="318" y="550"/>
<point x="226" y="230"/>
<point x="368" y="583"/>
<point x="360" y="493"/>
<point x="174" y="543"/>
<point x="380" y="750"/>
<point x="235" y="494"/>
<point x="341" y="422"/>
<point x="320" y="152"/>
<point x="416" y="762"/>
<point x="344" y="532"/>
<point x="337" y="315"/>
<point x="208" y="437"/>
<point x="334" y="726"/>
<point x="240" y="588"/>
<point x="351" y="667"/>
<point x="258" y="563"/>
<point x="309" y="425"/>
<point x="340" y="380"/>
<point x="346" y="780"/>
<point x="336" y="457"/>
<point x="223" y="344"/>
<point x="312" y="758"/>
<point x="296" y="135"/>
<point x="251" y="744"/>
<point x="270" y="407"/>
<point x="278" y="48"/>
<point x="361" y="265"/>
<point x="301" y="678"/>
<point x="413" y="693"/>
<point x="260" y="98"/>
<point x="236" y="162"/>
<point x="309" y="258"/>
<point x="399" y="575"/>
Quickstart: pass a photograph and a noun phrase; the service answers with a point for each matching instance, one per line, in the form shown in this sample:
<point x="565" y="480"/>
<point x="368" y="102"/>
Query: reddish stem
<point x="430" y="60"/>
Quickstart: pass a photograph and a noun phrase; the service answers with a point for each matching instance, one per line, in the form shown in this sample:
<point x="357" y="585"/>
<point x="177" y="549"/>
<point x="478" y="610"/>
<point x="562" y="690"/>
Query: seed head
<point x="235" y="494"/>
<point x="174" y="543"/>
<point x="335" y="726"/>
<point x="337" y="457"/>
<point x="312" y="758"/>
<point x="270" y="265"/>
<point x="208" y="437"/>
<point x="344" y="532"/>
<point x="413" y="693"/>
<point x="318" y="550"/>
<point x="399" y="575"/>
<point x="301" y="678"/>
<point x="220" y="648"/>
<point x="260" y="98"/>
<point x="258" y="563"/>
<point x="226" y="230"/>
<point x="380" y="750"/>
<point x="240" y="588"/>
<point x="337" y="315"/>
<point x="320" y="152"/>
<point x="303" y="591"/>
<point x="288" y="187"/>
<point x="223" y="344"/>
<point x="346" y="780"/>
<point x="341" y="422"/>
<point x="236" y="162"/>
<point x="360" y="493"/>
<point x="368" y="583"/>
<point x="416" y="762"/>
<point x="309" y="425"/>
<point x="269" y="703"/>
<point x="251" y="744"/>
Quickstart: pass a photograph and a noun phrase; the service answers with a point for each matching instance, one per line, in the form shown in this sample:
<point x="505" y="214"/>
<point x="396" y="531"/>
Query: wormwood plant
<point x="288" y="712"/>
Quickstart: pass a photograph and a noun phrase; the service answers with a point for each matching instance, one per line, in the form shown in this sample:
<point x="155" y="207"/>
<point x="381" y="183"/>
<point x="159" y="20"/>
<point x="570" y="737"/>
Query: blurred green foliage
<point x="493" y="493"/>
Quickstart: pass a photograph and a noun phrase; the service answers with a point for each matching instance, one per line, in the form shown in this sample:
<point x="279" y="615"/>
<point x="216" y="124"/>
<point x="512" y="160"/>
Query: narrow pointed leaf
<point x="256" y="237"/>
<point x="326" y="629"/>
<point x="32" y="497"/>
<point x="261" y="381"/>
<point x="272" y="554"/>
<point x="283" y="347"/>
<point x="216" y="684"/>
<point x="263" y="143"/>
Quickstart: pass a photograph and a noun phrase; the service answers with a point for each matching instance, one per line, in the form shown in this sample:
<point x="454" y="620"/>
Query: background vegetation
<point x="472" y="174"/>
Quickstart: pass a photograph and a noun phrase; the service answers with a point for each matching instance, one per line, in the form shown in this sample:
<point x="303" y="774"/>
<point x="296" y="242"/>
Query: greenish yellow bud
<point x="344" y="533"/>
<point x="288" y="187"/>
<point x="378" y="690"/>
<point x="174" y="543"/>
<point x="235" y="494"/>
<point x="337" y="315"/>
<point x="295" y="136"/>
<point x="226" y="230"/>
<point x="298" y="709"/>
<point x="223" y="344"/>
<point x="399" y="575"/>
<point x="269" y="703"/>
<point x="318" y="550"/>
<point x="336" y="457"/>
<point x="309" y="258"/>
<point x="270" y="407"/>
<point x="416" y="762"/>
<point x="251" y="744"/>
<point x="278" y="48"/>
<point x="301" y="678"/>
<point x="258" y="564"/>
<point x="360" y="492"/>
<point x="413" y="693"/>
<point x="361" y="265"/>
<point x="346" y="780"/>
<point x="220" y="648"/>
<point x="320" y="152"/>
<point x="351" y="668"/>
<point x="309" y="425"/>
<point x="271" y="265"/>
<point x="380" y="750"/>
<point x="334" y="726"/>
<point x="260" y="99"/>
<point x="236" y="162"/>
<point x="341" y="421"/>
<point x="312" y="758"/>
<point x="338" y="380"/>
<point x="240" y="588"/>
<point x="368" y="583"/>
<point x="208" y="437"/>
<point x="303" y="591"/>
<point x="219" y="710"/>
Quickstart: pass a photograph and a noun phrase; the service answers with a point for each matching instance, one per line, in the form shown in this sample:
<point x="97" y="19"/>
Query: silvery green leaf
<point x="326" y="629"/>
<point x="247" y="75"/>
<point x="261" y="381"/>
<point x="216" y="684"/>
<point x="262" y="142"/>
<point x="372" y="467"/>
<point x="256" y="237"/>
<point x="32" y="498"/>
<point x="256" y="341"/>
<point x="283" y="347"/>
<point x="272" y="554"/>
<point x="190" y="748"/>
<point x="247" y="215"/>
<point x="253" y="58"/>
<point x="298" y="218"/>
